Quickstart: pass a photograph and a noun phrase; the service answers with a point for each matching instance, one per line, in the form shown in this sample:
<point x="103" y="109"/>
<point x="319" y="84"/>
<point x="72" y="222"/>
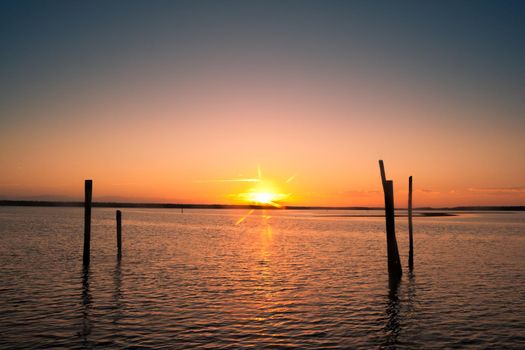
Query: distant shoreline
<point x="30" y="203"/>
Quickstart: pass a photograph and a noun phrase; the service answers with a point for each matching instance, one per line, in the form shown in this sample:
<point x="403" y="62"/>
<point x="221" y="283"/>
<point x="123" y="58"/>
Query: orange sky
<point x="166" y="147"/>
<point x="161" y="113"/>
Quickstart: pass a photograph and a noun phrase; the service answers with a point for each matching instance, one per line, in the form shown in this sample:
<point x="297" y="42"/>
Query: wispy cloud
<point x="124" y="183"/>
<point x="359" y="193"/>
<point x="291" y="178"/>
<point x="499" y="190"/>
<point x="30" y="185"/>
<point x="428" y="191"/>
<point x="227" y="180"/>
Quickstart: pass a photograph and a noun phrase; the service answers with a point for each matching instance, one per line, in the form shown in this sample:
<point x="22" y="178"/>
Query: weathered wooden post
<point x="119" y="234"/>
<point x="383" y="176"/>
<point x="410" y="228"/>
<point x="88" y="191"/>
<point x="394" y="264"/>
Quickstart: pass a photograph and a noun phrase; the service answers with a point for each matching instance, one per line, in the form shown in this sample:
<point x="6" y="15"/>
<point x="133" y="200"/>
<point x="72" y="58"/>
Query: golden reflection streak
<point x="266" y="275"/>
<point x="244" y="217"/>
<point x="265" y="216"/>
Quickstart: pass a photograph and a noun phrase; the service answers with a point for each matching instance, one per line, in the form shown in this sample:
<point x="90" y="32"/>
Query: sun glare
<point x="263" y="193"/>
<point x="264" y="198"/>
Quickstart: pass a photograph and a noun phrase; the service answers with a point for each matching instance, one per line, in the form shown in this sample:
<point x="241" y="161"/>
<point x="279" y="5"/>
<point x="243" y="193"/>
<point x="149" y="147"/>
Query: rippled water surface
<point x="299" y="279"/>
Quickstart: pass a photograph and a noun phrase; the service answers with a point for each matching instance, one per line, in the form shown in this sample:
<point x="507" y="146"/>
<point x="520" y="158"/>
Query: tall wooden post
<point x="382" y="170"/>
<point x="88" y="191"/>
<point x="394" y="263"/>
<point x="119" y="234"/>
<point x="410" y="228"/>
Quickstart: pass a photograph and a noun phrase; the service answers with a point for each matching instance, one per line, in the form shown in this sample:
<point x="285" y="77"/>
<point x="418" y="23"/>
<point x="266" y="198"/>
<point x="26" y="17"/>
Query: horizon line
<point x="112" y="204"/>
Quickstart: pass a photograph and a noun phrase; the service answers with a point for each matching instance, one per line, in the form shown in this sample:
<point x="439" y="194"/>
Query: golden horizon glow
<point x="263" y="198"/>
<point x="264" y="192"/>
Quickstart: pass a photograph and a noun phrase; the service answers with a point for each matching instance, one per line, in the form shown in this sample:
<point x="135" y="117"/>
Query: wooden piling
<point x="88" y="191"/>
<point x="119" y="234"/>
<point x="394" y="263"/>
<point x="410" y="227"/>
<point x="382" y="170"/>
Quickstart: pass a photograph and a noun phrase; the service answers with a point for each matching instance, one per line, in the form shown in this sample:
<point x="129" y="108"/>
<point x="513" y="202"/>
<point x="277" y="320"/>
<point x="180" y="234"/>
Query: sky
<point x="169" y="101"/>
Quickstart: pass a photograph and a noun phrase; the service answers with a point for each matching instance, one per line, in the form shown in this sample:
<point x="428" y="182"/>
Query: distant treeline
<point x="28" y="203"/>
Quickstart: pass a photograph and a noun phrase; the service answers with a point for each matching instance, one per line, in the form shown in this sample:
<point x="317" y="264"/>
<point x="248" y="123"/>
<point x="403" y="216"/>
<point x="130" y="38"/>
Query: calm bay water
<point x="300" y="279"/>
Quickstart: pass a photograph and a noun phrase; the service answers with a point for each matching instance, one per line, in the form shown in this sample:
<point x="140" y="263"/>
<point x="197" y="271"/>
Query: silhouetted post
<point x="394" y="263"/>
<point x="119" y="234"/>
<point x="410" y="228"/>
<point x="383" y="176"/>
<point x="88" y="191"/>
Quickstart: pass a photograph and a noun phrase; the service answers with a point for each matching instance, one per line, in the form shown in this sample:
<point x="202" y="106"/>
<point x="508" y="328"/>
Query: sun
<point x="263" y="197"/>
<point x="262" y="193"/>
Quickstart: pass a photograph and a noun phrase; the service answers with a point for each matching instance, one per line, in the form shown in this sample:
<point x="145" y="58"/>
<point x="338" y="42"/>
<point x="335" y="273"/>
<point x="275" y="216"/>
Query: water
<point x="299" y="279"/>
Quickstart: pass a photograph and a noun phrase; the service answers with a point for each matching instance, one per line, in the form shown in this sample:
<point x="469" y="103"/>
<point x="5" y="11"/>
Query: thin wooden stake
<point x="394" y="263"/>
<point x="383" y="176"/>
<point x="410" y="227"/>
<point x="119" y="234"/>
<point x="88" y="191"/>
